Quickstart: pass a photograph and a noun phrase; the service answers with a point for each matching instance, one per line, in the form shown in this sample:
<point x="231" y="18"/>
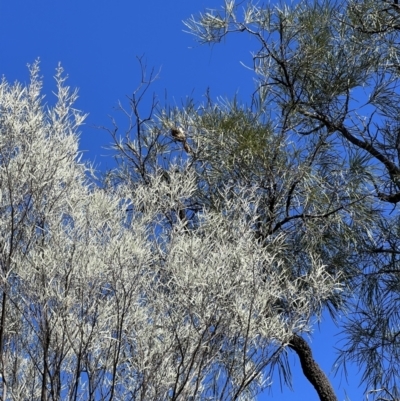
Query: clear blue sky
<point x="97" y="42"/>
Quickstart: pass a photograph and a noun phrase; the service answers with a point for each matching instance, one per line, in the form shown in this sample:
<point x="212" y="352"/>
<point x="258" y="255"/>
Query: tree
<point x="329" y="71"/>
<point x="136" y="288"/>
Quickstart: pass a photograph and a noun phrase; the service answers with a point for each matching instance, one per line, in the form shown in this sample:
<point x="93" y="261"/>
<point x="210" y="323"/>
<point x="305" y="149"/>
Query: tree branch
<point x="311" y="369"/>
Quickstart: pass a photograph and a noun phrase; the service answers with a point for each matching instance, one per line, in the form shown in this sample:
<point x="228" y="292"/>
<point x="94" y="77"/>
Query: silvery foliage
<point x="101" y="299"/>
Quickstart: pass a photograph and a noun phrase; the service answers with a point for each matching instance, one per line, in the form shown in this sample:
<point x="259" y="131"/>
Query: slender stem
<point x="2" y="330"/>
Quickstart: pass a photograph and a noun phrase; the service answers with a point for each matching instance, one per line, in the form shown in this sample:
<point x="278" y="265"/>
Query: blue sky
<point x="97" y="42"/>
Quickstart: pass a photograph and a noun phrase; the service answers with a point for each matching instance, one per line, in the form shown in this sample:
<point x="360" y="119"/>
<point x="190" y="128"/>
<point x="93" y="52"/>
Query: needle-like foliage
<point x="328" y="71"/>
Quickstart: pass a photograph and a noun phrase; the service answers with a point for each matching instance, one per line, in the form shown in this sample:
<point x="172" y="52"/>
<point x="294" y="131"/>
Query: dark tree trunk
<point x="311" y="370"/>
